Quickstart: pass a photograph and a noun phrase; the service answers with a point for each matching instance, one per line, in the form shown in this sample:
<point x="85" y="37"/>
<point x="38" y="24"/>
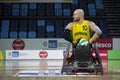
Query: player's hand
<point x="90" y="41"/>
<point x="74" y="42"/>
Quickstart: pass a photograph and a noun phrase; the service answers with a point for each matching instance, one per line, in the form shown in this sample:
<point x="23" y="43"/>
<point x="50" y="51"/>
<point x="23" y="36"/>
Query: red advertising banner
<point x="103" y="54"/>
<point x="104" y="43"/>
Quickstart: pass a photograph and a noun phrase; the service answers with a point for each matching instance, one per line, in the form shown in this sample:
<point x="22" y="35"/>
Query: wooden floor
<point x="10" y="69"/>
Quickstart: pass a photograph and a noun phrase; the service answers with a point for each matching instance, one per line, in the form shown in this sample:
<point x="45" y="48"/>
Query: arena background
<point x="28" y="27"/>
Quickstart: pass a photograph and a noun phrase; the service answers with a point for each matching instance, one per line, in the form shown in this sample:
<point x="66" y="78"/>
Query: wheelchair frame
<point x="83" y="61"/>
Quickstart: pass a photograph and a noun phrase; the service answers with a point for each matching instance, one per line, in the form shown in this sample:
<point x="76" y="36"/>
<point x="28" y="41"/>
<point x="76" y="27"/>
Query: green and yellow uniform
<point x="81" y="30"/>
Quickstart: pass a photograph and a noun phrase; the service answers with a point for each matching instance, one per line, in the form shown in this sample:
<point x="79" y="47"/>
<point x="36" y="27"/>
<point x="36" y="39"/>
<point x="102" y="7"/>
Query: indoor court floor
<point x="50" y="70"/>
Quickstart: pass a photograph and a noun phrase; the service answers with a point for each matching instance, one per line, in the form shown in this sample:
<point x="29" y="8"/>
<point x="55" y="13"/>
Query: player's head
<point x="78" y="14"/>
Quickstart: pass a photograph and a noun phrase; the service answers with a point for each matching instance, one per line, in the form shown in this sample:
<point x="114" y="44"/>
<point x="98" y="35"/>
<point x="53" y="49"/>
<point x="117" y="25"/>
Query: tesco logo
<point x="104" y="44"/>
<point x="43" y="54"/>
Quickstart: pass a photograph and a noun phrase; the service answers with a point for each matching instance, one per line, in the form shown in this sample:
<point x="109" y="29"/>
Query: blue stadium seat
<point x="3" y="29"/>
<point x="33" y="6"/>
<point x="66" y="12"/>
<point x="32" y="9"/>
<point x="41" y="28"/>
<point x="58" y="5"/>
<point x="41" y="23"/>
<point x="31" y="34"/>
<point x="13" y="34"/>
<point x="5" y="26"/>
<point x="49" y="23"/>
<point x="75" y="2"/>
<point x="91" y="9"/>
<point x="50" y="31"/>
<point x="92" y="12"/>
<point x="4" y="34"/>
<point x="22" y="34"/>
<point x="58" y="9"/>
<point x="91" y="6"/>
<point x="15" y="9"/>
<point x="24" y="6"/>
<point x="99" y="4"/>
<point x="49" y="28"/>
<point x="5" y="23"/>
<point x="24" y="9"/>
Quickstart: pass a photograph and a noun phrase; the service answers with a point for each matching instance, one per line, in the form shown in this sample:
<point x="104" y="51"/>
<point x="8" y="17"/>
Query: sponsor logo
<point x="45" y="44"/>
<point x="23" y="54"/>
<point x="80" y="33"/>
<point x="18" y="44"/>
<point x="62" y="44"/>
<point x="104" y="44"/>
<point x="15" y="54"/>
<point x="43" y="54"/>
<point x="52" y="44"/>
<point x="9" y="54"/>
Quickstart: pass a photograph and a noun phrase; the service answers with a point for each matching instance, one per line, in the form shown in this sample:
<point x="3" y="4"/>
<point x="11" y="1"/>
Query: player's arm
<point x="97" y="31"/>
<point x="67" y="32"/>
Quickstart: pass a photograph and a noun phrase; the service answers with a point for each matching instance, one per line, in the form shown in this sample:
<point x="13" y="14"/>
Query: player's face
<point x="76" y="16"/>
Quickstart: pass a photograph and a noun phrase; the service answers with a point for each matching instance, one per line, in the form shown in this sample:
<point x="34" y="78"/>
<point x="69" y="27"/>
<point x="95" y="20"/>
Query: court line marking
<point x="79" y="75"/>
<point x="16" y="74"/>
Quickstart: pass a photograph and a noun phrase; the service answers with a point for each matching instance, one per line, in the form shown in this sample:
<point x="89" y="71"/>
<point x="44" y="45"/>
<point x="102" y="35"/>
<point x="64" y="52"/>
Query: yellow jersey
<point x="81" y="30"/>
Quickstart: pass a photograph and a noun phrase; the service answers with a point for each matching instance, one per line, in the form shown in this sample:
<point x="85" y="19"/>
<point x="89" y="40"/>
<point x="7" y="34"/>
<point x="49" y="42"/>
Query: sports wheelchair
<point x="82" y="61"/>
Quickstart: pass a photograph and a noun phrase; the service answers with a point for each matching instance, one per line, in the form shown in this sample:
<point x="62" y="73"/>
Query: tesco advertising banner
<point x="34" y="54"/>
<point x="104" y="43"/>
